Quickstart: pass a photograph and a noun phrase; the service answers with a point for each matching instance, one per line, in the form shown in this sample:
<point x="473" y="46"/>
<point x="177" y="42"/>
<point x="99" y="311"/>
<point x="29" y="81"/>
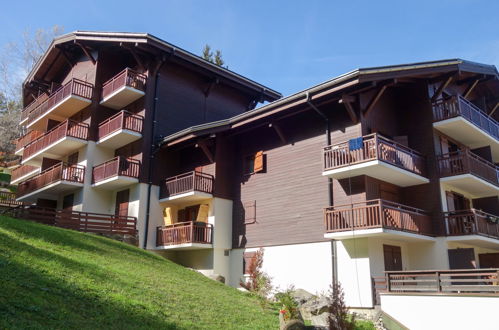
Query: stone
<point x="321" y="320"/>
<point x="302" y="296"/>
<point x="290" y="324"/>
<point x="314" y="306"/>
<point x="218" y="278"/>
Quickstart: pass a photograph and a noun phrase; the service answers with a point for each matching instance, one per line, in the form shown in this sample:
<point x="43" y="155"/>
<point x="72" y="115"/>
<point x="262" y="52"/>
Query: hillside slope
<point x="58" y="279"/>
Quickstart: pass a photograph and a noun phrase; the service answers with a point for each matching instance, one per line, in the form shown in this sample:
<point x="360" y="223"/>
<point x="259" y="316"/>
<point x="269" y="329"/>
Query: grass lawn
<point x="54" y="278"/>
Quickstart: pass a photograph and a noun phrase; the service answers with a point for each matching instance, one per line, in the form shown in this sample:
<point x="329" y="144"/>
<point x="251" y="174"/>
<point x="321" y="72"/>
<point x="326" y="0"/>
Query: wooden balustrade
<point x="184" y="232"/>
<point x="118" y="166"/>
<point x="58" y="172"/>
<point x="121" y="120"/>
<point x="374" y="147"/>
<point x="377" y="213"/>
<point x="471" y="222"/>
<point x="74" y="87"/>
<point x="127" y="77"/>
<point x="67" y="128"/>
<point x="465" y="162"/>
<point x="187" y="182"/>
<point x="22" y="171"/>
<point x="81" y="221"/>
<point x="27" y="139"/>
<point x="8" y="199"/>
<point x="461" y="281"/>
<point x="456" y="106"/>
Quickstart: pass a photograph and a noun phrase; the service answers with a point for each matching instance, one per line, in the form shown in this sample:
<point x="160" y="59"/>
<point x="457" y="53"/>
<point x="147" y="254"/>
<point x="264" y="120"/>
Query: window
<point x="198" y="213"/>
<point x="254" y="163"/>
<point x="73" y="159"/>
<point x="247" y="261"/>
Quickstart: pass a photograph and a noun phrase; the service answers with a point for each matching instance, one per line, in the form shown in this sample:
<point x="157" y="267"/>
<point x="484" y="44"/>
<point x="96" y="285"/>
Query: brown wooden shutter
<point x="247" y="261"/>
<point x="203" y="213"/>
<point x="258" y="165"/>
<point x="122" y="199"/>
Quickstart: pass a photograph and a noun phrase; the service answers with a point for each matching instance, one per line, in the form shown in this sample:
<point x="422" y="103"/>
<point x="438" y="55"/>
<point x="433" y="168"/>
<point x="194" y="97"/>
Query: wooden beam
<point x="375" y="99"/>
<point x="87" y="53"/>
<point x="494" y="109"/>
<point x="136" y="58"/>
<point x="470" y="88"/>
<point x="206" y="150"/>
<point x="279" y="132"/>
<point x="208" y="89"/>
<point x="347" y="101"/>
<point x="441" y="88"/>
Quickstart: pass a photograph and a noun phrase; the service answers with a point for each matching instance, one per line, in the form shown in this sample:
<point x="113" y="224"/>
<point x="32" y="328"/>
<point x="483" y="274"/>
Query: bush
<point x="258" y="282"/>
<point x="289" y="306"/>
<point x="339" y="318"/>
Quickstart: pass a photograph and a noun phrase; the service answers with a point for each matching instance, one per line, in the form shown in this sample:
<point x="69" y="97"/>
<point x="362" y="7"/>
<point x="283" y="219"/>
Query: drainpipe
<point x="151" y="151"/>
<point x="334" y="261"/>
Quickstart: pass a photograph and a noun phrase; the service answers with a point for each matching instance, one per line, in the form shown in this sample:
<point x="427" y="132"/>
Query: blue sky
<point x="286" y="45"/>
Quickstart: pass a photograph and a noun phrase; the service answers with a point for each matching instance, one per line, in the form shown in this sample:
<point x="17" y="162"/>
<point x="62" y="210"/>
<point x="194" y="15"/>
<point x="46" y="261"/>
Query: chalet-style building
<point x="380" y="169"/>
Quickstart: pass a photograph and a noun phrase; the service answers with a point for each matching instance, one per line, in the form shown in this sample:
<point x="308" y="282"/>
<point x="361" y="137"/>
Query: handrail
<point x="187" y="182"/>
<point x="117" y="166"/>
<point x="462" y="162"/>
<point x="374" y="146"/>
<point x="75" y="87"/>
<point x="126" y="77"/>
<point x="471" y="222"/>
<point x="121" y="120"/>
<point x="27" y="138"/>
<point x="184" y="232"/>
<point x="22" y="171"/>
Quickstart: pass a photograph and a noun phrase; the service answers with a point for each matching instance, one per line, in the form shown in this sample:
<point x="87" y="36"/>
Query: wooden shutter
<point x="203" y="213"/>
<point x="247" y="261"/>
<point x="393" y="257"/>
<point x="258" y="162"/>
<point x="249" y="212"/>
<point x="122" y="199"/>
<point x="167" y="216"/>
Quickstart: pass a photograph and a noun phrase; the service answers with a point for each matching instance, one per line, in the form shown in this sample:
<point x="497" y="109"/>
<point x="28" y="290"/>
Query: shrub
<point x="289" y="306"/>
<point x="258" y="281"/>
<point x="339" y="318"/>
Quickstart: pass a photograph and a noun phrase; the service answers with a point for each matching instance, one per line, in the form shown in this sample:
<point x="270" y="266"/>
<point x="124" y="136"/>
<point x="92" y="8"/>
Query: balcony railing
<point x="30" y="107"/>
<point x="58" y="172"/>
<point x="81" y="221"/>
<point x="377" y="213"/>
<point x="121" y="120"/>
<point x="465" y="162"/>
<point x="22" y="171"/>
<point x="374" y="147"/>
<point x="127" y="77"/>
<point x="183" y="233"/>
<point x="27" y="139"/>
<point x="75" y="87"/>
<point x="8" y="199"/>
<point x="458" y="106"/>
<point x="187" y="182"/>
<point x="458" y="281"/>
<point x="471" y="222"/>
<point x="67" y="128"/>
<point x="118" y="166"/>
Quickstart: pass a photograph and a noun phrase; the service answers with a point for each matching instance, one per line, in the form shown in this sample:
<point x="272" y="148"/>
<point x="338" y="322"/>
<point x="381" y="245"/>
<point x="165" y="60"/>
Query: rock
<point x="314" y="307"/>
<point x="321" y="320"/>
<point x="302" y="296"/>
<point x="218" y="278"/>
<point x="290" y="324"/>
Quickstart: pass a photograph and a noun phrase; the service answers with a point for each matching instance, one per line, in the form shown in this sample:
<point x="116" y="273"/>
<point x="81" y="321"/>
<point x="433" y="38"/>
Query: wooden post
<point x="439" y="284"/>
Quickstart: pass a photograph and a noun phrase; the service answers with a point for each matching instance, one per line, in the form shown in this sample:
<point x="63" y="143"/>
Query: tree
<point x="213" y="58"/>
<point x="17" y="59"/>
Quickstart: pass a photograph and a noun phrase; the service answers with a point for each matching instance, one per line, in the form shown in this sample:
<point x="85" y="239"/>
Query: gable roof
<point x="337" y="84"/>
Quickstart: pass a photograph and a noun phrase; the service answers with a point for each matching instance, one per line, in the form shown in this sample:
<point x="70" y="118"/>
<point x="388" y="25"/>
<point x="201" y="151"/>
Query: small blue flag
<point x="355" y="144"/>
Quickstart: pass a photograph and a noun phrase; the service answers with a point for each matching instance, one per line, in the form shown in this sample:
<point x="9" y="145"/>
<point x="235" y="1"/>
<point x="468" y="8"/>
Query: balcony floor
<point x="467" y="133"/>
<point x="56" y="150"/>
<point x="50" y="191"/>
<point x="26" y="176"/>
<point x="62" y="110"/>
<point x="119" y="139"/>
<point x="379" y="233"/>
<point x="477" y="240"/>
<point x="115" y="182"/>
<point x="379" y="170"/>
<point x="122" y="97"/>
<point x="471" y="184"/>
<point x="185" y="246"/>
<point x="192" y="196"/>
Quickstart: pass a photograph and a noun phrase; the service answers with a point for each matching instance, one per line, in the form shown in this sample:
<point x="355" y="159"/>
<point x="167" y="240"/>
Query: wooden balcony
<point x="25" y="140"/>
<point x="187" y="187"/>
<point x="377" y="218"/>
<point x="23" y="173"/>
<point x="470" y="225"/>
<point x="456" y="281"/>
<point x="123" y="89"/>
<point x="81" y="221"/>
<point x="30" y="107"/>
<point x="116" y="173"/>
<point x="60" y="178"/>
<point x="469" y="172"/>
<point x="185" y="235"/>
<point x="60" y="141"/>
<point x="63" y="103"/>
<point x="465" y="122"/>
<point x="8" y="199"/>
<point x="119" y="130"/>
<point x="377" y="157"/>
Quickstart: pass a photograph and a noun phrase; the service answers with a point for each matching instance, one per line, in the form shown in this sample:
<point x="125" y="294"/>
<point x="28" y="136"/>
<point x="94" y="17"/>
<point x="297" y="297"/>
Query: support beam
<point x="87" y="53"/>
<point x="347" y="101"/>
<point x="206" y="150"/>
<point x="375" y="99"/>
<point x="279" y="132"/>
<point x="208" y="89"/>
<point x="494" y="109"/>
<point x="470" y="88"/>
<point x="136" y="58"/>
<point x="442" y="87"/>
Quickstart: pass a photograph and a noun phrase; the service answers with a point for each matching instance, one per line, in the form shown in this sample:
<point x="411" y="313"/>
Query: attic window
<point x="254" y="163"/>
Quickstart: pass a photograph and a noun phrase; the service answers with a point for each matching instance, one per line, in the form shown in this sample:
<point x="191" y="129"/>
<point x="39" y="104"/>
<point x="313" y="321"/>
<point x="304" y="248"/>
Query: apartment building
<point x="380" y="169"/>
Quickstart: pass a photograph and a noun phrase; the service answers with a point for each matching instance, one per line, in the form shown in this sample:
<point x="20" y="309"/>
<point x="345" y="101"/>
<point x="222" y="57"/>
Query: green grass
<point x="54" y="278"/>
<point x="364" y="325"/>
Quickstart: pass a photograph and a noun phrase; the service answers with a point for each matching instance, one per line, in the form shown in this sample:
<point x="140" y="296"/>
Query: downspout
<point x="334" y="261"/>
<point x="151" y="152"/>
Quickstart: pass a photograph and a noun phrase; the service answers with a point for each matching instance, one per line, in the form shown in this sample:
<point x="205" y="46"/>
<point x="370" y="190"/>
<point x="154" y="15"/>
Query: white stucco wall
<point x="427" y="312"/>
